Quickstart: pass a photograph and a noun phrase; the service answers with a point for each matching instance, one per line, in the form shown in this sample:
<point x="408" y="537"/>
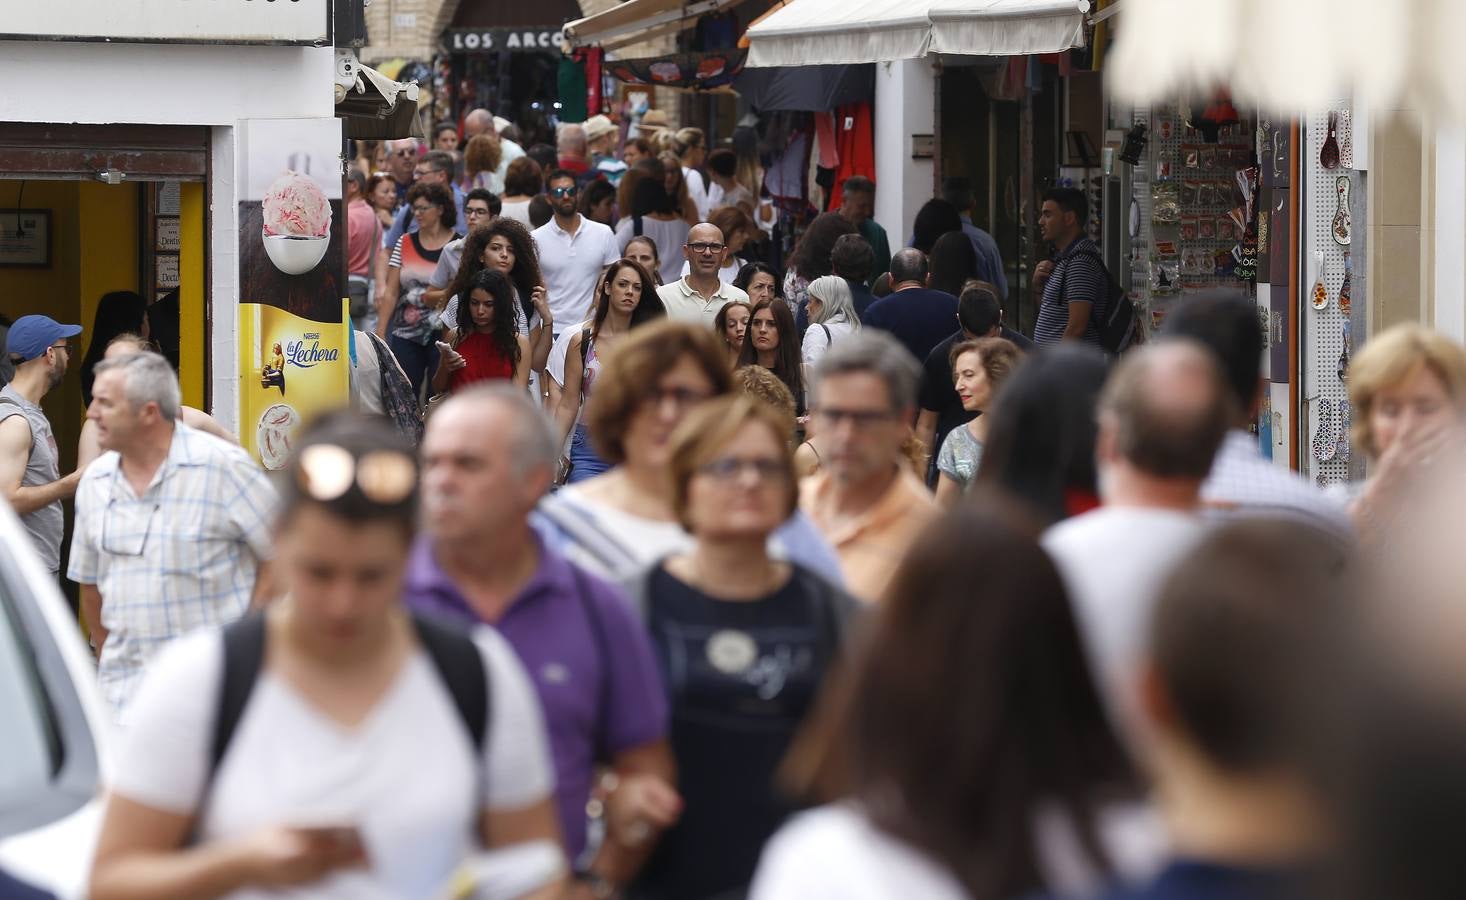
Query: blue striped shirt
<point x="1078" y="277"/>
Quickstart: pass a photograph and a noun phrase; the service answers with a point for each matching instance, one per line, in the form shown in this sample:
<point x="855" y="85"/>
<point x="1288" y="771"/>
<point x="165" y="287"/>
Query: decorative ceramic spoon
<point x="1343" y="224"/>
<point x="1346" y="139"/>
<point x="1325" y="439"/>
<point x="1346" y="415"/>
<point x="1346" y="290"/>
<point x="1344" y="354"/>
<point x="1320" y="293"/>
<point x="1328" y="157"/>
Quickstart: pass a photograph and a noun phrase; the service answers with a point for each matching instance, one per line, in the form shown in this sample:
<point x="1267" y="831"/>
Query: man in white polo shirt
<point x="698" y="295"/>
<point x="573" y="252"/>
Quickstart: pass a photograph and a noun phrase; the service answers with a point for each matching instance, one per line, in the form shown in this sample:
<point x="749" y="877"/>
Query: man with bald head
<point x="698" y="295"/>
<point x="1162" y="416"/>
<point x="488" y="456"/>
<point x="571" y="146"/>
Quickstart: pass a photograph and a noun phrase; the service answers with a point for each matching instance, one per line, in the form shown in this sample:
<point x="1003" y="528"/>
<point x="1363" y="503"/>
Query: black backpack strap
<point x="461" y="666"/>
<point x="244" y="655"/>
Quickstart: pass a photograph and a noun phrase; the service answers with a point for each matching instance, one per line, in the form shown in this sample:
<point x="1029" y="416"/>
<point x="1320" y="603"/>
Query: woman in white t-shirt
<point x="832" y="319"/>
<point x="359" y="763"/>
<point x="967" y="745"/>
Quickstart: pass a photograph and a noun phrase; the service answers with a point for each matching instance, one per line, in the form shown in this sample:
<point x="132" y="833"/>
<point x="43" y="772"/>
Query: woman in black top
<point x="744" y="642"/>
<point x="772" y="341"/>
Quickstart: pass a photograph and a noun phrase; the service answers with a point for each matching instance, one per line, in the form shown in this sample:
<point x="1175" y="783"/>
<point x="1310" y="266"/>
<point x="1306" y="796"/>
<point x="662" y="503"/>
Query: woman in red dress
<point x="484" y="343"/>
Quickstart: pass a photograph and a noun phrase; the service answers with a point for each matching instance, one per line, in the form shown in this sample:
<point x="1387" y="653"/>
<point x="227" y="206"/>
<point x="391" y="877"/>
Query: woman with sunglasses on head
<point x="483" y="344"/>
<point x="404" y="320"/>
<point x="334" y="744"/>
<point x="772" y="342"/>
<point x="618" y="523"/>
<point x="625" y="298"/>
<point x="744" y="641"/>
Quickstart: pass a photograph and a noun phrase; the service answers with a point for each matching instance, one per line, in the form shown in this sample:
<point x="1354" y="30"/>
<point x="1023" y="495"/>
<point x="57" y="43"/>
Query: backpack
<point x="453" y="653"/>
<point x="1116" y="327"/>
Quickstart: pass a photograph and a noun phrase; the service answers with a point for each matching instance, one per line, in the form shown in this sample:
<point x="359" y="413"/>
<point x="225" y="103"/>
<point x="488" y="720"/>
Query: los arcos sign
<point x="483" y="40"/>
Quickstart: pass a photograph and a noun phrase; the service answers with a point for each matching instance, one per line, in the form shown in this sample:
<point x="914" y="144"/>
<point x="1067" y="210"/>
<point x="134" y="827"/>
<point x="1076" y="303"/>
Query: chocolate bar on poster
<point x="1277" y="341"/>
<point x="1281" y="231"/>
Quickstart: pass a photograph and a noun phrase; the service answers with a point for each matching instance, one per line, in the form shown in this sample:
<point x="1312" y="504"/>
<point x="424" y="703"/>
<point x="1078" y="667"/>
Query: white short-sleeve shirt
<point x="572" y="263"/>
<point x="405" y="776"/>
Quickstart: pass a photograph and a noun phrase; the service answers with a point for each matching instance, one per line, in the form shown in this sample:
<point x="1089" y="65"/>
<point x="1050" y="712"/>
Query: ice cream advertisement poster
<point x="293" y="329"/>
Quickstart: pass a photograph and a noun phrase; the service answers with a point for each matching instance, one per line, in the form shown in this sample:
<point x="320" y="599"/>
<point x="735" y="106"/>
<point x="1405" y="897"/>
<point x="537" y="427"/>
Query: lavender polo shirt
<point x="575" y="672"/>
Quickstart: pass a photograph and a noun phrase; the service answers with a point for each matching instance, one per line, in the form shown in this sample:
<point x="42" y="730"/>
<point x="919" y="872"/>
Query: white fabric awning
<point x="1293" y="56"/>
<point x="843" y="32"/>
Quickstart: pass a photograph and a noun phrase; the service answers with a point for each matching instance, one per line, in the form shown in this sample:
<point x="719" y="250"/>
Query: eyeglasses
<point x="679" y="396"/>
<point x="423" y="173"/>
<point x="64" y="345"/>
<point x="325" y="472"/>
<point x="860" y="418"/>
<point x="730" y="470"/>
<point x="419" y="210"/>
<point x="705" y="247"/>
<point x="126" y="525"/>
<point x="474" y="212"/>
<point x="404" y="153"/>
<point x="564" y="191"/>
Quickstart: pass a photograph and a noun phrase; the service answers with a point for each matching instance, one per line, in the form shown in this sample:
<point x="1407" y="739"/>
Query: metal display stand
<point x="1328" y="336"/>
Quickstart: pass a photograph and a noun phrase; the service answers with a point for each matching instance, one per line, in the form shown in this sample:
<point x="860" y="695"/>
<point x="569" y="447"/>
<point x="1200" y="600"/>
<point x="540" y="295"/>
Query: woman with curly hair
<point x="811" y="257"/>
<point x="771" y="341"/>
<point x="505" y="246"/>
<point x="483" y="344"/>
<point x="481" y="158"/>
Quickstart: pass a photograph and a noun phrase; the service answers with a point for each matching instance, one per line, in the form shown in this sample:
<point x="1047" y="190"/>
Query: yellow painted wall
<point x="192" y="327"/>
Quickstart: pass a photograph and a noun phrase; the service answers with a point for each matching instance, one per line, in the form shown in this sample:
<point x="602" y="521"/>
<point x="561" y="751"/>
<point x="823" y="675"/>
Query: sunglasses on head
<point x="325" y="472"/>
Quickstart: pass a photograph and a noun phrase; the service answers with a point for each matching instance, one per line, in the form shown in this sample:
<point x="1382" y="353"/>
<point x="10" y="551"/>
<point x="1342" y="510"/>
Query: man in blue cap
<point x="40" y="348"/>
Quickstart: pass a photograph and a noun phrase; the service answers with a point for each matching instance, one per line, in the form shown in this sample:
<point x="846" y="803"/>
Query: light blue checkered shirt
<point x="180" y="557"/>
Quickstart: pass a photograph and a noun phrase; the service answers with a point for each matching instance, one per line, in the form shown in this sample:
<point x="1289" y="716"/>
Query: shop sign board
<point x="296" y="22"/>
<point x="294" y="330"/>
<point x="483" y="40"/>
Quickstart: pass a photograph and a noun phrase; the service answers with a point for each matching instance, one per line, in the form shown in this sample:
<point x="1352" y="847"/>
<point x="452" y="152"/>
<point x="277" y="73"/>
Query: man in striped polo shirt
<point x="1073" y="287"/>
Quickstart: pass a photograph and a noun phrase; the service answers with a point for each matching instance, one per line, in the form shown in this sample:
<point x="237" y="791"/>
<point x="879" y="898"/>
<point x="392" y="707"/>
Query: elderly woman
<point x="979" y="369"/>
<point x="1408" y="391"/>
<point x="832" y="318"/>
<point x="620" y="522"/>
<point x="762" y="633"/>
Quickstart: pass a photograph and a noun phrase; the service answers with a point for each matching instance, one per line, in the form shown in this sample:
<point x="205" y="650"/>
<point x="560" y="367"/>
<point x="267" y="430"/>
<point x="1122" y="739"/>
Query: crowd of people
<point x="821" y="583"/>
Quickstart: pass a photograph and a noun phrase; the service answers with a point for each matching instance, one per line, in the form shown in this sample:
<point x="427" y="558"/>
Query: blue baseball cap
<point x="31" y="335"/>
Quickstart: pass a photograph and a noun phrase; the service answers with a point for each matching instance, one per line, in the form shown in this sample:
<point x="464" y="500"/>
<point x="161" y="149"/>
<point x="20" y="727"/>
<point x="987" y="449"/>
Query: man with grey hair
<point x="865" y="499"/>
<point x="1162" y="416"/>
<point x="435" y="167"/>
<point x="172" y="525"/>
<point x="571" y="147"/>
<point x="482" y="122"/>
<point x="488" y="457"/>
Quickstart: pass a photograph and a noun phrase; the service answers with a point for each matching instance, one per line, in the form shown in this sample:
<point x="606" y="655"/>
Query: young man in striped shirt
<point x="1073" y="287"/>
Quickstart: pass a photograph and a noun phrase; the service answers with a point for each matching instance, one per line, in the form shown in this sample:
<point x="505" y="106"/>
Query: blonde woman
<point x="979" y="369"/>
<point x="1408" y="391"/>
<point x="690" y="145"/>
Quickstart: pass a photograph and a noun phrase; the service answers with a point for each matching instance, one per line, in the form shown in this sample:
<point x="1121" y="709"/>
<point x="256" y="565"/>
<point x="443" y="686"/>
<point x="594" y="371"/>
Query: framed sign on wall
<point x="25" y="237"/>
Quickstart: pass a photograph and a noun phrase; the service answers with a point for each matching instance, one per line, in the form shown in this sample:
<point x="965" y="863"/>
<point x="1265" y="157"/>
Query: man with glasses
<point x="574" y="251"/>
<point x="697" y="296"/>
<point x="865" y="498"/>
<point x="40" y="348"/>
<point x="435" y="167"/>
<point x="480" y="206"/>
<point x="172" y="525"/>
<point x="401" y="160"/>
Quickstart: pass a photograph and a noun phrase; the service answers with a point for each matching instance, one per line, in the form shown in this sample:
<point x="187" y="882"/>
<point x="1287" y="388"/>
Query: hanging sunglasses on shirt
<point x="326" y="472"/>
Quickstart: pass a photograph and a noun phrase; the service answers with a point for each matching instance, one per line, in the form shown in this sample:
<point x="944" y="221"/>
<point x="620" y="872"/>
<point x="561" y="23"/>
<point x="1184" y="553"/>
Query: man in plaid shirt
<point x="172" y="525"/>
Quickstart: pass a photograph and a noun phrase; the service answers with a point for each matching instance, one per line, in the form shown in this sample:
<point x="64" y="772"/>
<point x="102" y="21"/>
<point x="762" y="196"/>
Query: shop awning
<point x="377" y="107"/>
<point x="1293" y="57"/>
<point x="637" y="20"/>
<point x="836" y="32"/>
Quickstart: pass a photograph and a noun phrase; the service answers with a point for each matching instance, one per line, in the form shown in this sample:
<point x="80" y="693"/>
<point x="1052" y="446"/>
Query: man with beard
<point x="40" y="347"/>
<point x="574" y="251"/>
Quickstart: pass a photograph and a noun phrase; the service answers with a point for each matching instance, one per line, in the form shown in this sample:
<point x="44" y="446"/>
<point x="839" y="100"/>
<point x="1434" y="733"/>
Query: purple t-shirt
<point x="590" y="659"/>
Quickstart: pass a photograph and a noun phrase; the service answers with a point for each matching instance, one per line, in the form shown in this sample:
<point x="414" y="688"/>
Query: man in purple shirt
<point x="488" y="457"/>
